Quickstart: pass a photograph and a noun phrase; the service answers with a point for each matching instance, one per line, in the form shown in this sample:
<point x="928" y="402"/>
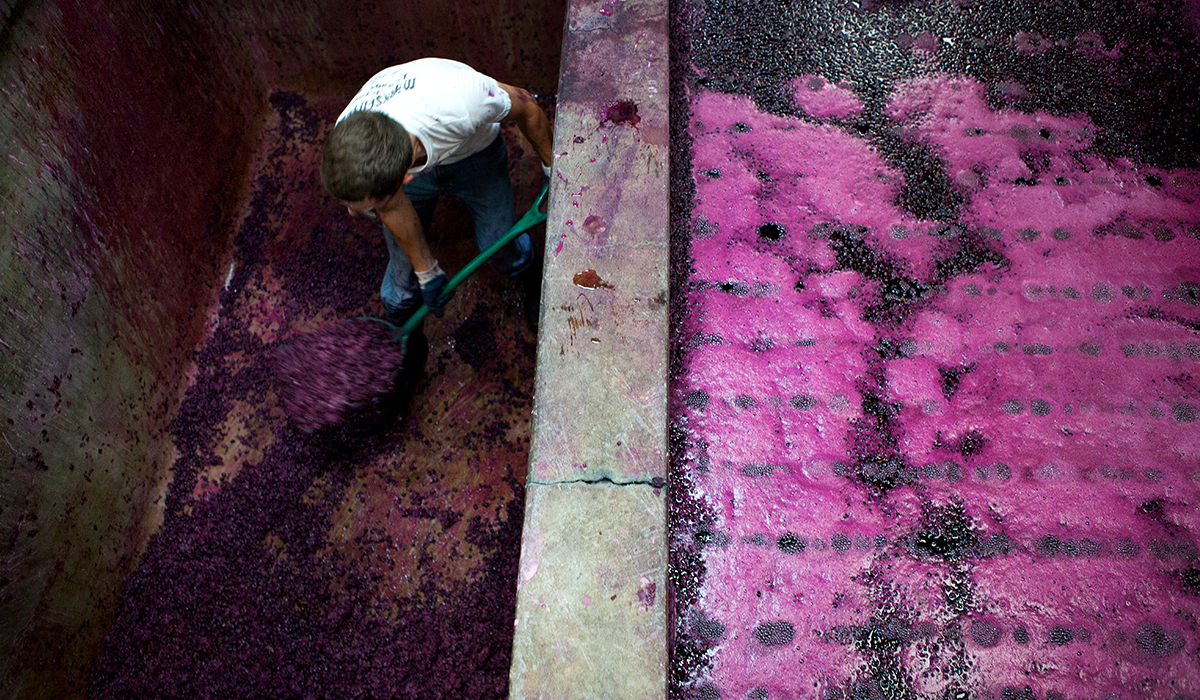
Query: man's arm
<point x="531" y="120"/>
<point x="400" y="218"/>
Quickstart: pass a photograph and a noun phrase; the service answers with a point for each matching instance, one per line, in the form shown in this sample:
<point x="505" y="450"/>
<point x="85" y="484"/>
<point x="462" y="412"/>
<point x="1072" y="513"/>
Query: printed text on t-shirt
<point x="378" y="94"/>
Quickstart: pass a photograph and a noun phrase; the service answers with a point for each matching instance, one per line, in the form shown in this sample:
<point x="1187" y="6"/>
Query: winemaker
<point x="421" y="129"/>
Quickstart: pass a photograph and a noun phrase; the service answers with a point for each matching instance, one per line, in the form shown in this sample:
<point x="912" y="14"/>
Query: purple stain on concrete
<point x="588" y="279"/>
<point x="595" y="227"/>
<point x="621" y="112"/>
<point x="937" y="318"/>
<point x="647" y="593"/>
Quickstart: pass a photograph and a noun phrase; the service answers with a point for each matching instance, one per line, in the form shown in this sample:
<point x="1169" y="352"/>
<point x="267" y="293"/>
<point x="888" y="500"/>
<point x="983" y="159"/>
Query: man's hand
<point x="431" y="292"/>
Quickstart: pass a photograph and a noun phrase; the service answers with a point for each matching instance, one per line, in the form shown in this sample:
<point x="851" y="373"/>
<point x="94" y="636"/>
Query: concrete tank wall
<point x="128" y="129"/>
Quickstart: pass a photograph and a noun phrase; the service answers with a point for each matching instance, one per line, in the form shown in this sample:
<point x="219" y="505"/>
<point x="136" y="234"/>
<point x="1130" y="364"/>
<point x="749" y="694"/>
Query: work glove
<point x="431" y="291"/>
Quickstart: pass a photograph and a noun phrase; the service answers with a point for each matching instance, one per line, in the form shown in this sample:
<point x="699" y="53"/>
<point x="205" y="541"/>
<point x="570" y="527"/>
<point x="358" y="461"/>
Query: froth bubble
<point x="791" y="543"/>
<point x="1155" y="640"/>
<point x="802" y="402"/>
<point x="986" y="634"/>
<point x="1127" y="549"/>
<point x="1021" y="635"/>
<point x="1187" y="292"/>
<point x="758" y="469"/>
<point x="1061" y="636"/>
<point x="775" y="634"/>
<point x="710" y="629"/>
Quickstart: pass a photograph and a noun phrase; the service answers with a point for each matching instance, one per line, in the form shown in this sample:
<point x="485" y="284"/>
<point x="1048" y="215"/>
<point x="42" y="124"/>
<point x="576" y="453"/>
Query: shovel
<point x="532" y="218"/>
<point x="342" y="371"/>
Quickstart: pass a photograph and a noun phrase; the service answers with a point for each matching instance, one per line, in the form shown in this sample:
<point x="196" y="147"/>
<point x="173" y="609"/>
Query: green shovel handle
<point x="532" y="218"/>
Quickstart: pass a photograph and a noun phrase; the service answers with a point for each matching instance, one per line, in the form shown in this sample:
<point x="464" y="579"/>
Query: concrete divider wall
<point x="592" y="590"/>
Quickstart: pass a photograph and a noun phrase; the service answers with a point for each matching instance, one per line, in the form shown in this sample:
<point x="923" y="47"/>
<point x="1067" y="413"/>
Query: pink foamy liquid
<point x="1084" y="402"/>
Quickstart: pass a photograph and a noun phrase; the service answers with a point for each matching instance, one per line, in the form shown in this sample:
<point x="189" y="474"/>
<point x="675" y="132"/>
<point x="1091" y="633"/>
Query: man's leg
<point x="482" y="182"/>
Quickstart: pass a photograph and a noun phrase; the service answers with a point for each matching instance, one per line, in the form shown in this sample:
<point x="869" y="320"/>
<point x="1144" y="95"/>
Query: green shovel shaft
<point x="532" y="218"/>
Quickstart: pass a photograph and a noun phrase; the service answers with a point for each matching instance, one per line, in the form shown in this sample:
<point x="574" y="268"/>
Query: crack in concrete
<point x="656" y="482"/>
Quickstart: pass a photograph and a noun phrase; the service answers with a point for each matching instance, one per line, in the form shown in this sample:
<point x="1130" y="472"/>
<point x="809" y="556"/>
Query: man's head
<point x="366" y="156"/>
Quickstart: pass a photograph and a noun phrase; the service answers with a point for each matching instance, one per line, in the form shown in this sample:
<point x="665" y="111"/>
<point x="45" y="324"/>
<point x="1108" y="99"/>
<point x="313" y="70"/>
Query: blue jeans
<point x="482" y="182"/>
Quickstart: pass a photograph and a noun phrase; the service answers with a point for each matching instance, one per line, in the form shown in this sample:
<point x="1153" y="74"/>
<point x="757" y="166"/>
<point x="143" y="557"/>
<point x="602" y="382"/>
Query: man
<point x="418" y="130"/>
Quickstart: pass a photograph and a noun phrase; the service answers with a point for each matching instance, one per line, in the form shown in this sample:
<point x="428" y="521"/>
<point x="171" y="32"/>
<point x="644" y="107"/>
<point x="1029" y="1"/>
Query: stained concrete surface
<point x="591" y="611"/>
<point x="603" y="364"/>
<point x="593" y="620"/>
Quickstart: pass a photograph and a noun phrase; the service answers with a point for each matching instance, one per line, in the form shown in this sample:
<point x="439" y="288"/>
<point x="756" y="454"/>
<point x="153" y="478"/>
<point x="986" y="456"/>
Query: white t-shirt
<point x="453" y="109"/>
